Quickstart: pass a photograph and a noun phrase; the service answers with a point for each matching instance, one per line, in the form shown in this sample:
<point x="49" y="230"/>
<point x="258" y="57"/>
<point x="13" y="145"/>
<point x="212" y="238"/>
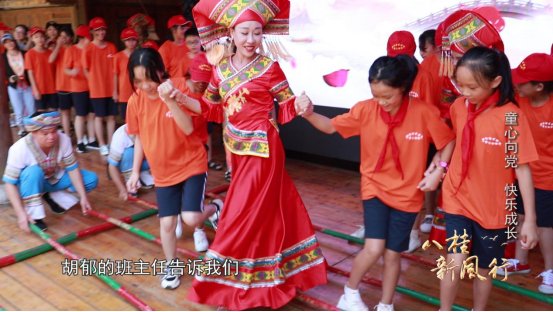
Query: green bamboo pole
<point x="121" y="291"/>
<point x="71" y="237"/>
<point x="501" y="284"/>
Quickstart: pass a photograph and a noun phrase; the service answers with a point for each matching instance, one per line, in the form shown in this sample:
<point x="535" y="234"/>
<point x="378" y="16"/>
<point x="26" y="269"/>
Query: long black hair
<point x="396" y="72"/>
<point x="151" y="60"/>
<point x="486" y="64"/>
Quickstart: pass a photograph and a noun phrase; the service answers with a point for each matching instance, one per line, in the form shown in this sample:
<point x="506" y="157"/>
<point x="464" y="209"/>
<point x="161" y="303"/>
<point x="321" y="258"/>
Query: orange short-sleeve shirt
<point x="481" y="197"/>
<point x="63" y="81"/>
<point x="423" y="87"/>
<point x="43" y="72"/>
<point x="200" y="123"/>
<point x="72" y="60"/>
<point x="124" y="87"/>
<point x="540" y="120"/>
<point x="172" y="155"/>
<point x="421" y="126"/>
<point x="431" y="64"/>
<point x="175" y="57"/>
<point x="99" y="63"/>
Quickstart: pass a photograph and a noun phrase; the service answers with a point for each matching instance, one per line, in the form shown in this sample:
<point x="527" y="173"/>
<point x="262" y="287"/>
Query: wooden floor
<point x="330" y="194"/>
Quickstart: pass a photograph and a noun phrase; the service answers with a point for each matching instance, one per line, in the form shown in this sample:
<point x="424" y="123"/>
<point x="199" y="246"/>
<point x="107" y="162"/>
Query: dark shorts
<point x="81" y="101"/>
<point x="122" y="107"/>
<point x="104" y="107"/>
<point x="47" y="101"/>
<point x="185" y="196"/>
<point x="384" y="222"/>
<point x="65" y="100"/>
<point x="486" y="244"/>
<point x="210" y="127"/>
<point x="544" y="207"/>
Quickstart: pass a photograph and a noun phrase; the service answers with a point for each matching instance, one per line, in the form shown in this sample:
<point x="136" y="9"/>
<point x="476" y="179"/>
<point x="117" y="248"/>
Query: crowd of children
<point x="443" y="123"/>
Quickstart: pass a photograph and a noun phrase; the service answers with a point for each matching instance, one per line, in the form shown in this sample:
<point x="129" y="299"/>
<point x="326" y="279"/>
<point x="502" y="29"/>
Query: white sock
<point x="415" y="233"/>
<point x="349" y="292"/>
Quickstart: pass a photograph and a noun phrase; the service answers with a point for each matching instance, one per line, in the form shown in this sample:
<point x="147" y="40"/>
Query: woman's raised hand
<point x="303" y="105"/>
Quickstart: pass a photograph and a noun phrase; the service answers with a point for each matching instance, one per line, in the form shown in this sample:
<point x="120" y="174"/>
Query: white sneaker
<point x="360" y="233"/>
<point x="384" y="307"/>
<point x="169" y="281"/>
<point x="353" y="302"/>
<point x="214" y="218"/>
<point x="414" y="242"/>
<point x="200" y="240"/>
<point x="546" y="286"/>
<point x="426" y="224"/>
<point x="146" y="179"/>
<point x="104" y="150"/>
<point x="178" y="229"/>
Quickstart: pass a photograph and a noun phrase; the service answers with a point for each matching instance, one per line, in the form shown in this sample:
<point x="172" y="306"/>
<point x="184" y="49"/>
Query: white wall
<point x="327" y="35"/>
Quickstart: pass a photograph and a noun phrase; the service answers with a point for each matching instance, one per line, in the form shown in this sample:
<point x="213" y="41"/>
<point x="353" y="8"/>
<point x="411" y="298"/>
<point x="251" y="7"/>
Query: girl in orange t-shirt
<point x="477" y="189"/>
<point x="177" y="158"/>
<point x="533" y="79"/>
<point x="391" y="186"/>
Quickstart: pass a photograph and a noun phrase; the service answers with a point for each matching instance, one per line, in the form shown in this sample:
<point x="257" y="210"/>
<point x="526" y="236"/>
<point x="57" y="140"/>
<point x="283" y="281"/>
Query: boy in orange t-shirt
<point x="175" y="53"/>
<point x="122" y="85"/>
<point x="63" y="81"/>
<point x="41" y="72"/>
<point x="98" y="66"/>
<point x="402" y="127"/>
<point x="78" y="88"/>
<point x="533" y="79"/>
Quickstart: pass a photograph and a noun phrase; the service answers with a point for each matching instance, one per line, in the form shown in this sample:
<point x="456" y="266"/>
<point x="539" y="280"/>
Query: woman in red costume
<point x="264" y="226"/>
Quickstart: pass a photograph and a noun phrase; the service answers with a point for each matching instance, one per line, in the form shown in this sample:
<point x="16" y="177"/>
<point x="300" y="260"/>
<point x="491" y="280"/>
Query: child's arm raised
<point x="183" y="120"/>
<point x="304" y="108"/>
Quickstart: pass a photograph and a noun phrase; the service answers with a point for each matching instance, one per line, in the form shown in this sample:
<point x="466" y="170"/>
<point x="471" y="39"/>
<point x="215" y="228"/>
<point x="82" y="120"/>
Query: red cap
<point x="177" y="20"/>
<point x="128" y="33"/>
<point x="140" y="19"/>
<point x="401" y="42"/>
<point x="4" y="27"/>
<point x="35" y="30"/>
<point x="535" y="67"/>
<point x="200" y="69"/>
<point x="83" y="31"/>
<point x="97" y="23"/>
<point x="150" y="44"/>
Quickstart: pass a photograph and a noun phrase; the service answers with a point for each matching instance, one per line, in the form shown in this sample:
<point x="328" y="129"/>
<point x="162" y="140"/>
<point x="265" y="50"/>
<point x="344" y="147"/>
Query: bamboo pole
<point x="504" y="285"/>
<point x="71" y="237"/>
<point x="121" y="291"/>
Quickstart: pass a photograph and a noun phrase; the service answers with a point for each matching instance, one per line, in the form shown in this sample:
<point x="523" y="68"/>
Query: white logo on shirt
<point x="169" y="114"/>
<point x="546" y="125"/>
<point x="491" y="141"/>
<point x="413" y="94"/>
<point x="414" y="136"/>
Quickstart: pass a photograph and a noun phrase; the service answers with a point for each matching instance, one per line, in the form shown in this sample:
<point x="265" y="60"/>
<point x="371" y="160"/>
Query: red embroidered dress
<point x="264" y="225"/>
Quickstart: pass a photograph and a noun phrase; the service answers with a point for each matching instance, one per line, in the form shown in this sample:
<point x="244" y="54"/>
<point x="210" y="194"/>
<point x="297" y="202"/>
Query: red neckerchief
<point x="467" y="144"/>
<point x="392" y="122"/>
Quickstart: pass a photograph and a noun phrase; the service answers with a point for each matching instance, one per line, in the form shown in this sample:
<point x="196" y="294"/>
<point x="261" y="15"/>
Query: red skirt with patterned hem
<point x="264" y="228"/>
